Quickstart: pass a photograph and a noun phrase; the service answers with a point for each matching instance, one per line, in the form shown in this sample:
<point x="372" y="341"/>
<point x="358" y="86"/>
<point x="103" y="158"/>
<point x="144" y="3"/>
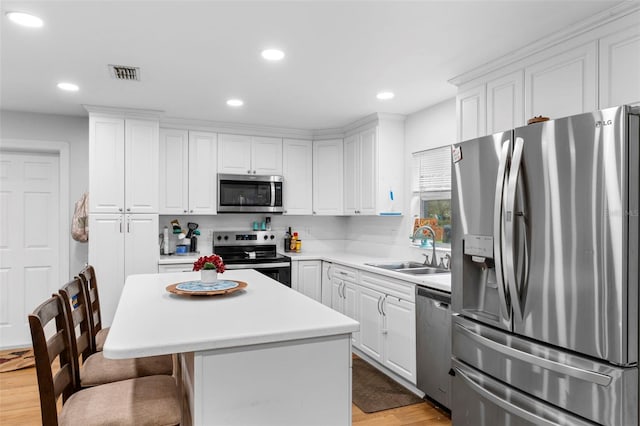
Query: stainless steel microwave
<point x="249" y="194"/>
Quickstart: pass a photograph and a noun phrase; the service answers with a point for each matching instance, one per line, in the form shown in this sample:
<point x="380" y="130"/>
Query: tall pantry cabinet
<point x="123" y="202"/>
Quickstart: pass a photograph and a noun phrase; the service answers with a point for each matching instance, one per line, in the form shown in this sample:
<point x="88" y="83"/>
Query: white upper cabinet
<point x="174" y="171"/>
<point x="471" y="110"/>
<point x="203" y="150"/>
<point x="187" y="172"/>
<point x="328" y="177"/>
<point x="592" y="65"/>
<point x="374" y="168"/>
<point x="124" y="163"/>
<point x="360" y="166"/>
<point x="562" y="85"/>
<point x="620" y="68"/>
<point x="258" y="155"/>
<point x="297" y="169"/>
<point x="505" y="102"/>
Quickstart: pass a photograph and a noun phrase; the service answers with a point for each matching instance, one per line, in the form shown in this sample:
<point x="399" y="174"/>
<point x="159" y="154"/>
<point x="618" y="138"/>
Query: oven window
<point x="238" y="193"/>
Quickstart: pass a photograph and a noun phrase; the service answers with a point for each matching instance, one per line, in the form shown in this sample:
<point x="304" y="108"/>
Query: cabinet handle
<point x="329" y="273"/>
<point x="314" y="212"/>
<point x="384" y="300"/>
<point x="379" y="310"/>
<point x="129" y="209"/>
<point x="254" y="172"/>
<point x="128" y="225"/>
<point x="184" y="211"/>
<point x="249" y="171"/>
<point x="190" y="211"/>
<point x="120" y="225"/>
<point x="120" y="209"/>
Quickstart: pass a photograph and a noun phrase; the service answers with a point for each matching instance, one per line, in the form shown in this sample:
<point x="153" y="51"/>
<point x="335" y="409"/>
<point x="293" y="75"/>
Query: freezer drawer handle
<point x="508" y="406"/>
<point x="578" y="373"/>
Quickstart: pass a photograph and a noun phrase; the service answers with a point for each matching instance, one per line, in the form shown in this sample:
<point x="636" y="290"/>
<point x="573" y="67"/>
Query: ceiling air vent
<point x="122" y="72"/>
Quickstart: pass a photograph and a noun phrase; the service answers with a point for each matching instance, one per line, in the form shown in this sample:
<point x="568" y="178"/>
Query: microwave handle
<point x="273" y="194"/>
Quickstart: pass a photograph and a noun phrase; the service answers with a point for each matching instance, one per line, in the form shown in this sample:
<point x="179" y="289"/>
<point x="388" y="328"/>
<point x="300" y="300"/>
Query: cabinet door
<point x="351" y="172"/>
<point x="472" y="113"/>
<point x="203" y="150"/>
<point x="367" y="179"/>
<point x="297" y="169"/>
<point x="562" y="85"/>
<point x="371" y="323"/>
<point x="337" y="302"/>
<point x="309" y="278"/>
<point x="505" y="103"/>
<point x="351" y="307"/>
<point x="327" y="177"/>
<point x="400" y="337"/>
<point x="234" y="154"/>
<point x="174" y="171"/>
<point x="266" y="156"/>
<point x="620" y="68"/>
<point x="141" y="250"/>
<point x="141" y="166"/>
<point x="326" y="283"/>
<point x="106" y="254"/>
<point x="106" y="163"/>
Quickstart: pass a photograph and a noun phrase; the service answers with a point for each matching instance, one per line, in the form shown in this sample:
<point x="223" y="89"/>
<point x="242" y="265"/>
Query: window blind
<point x="432" y="172"/>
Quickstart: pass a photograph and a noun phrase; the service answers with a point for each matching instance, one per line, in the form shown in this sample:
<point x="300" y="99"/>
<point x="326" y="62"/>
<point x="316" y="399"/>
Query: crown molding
<point x="235" y="128"/>
<point x="589" y="24"/>
<point x="123" y="112"/>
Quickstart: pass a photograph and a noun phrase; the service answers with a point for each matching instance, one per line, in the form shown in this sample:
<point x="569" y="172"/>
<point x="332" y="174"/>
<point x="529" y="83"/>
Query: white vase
<point x="208" y="275"/>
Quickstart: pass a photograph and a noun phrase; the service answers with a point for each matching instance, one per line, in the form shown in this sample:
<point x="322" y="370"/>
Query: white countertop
<point x="151" y="321"/>
<point x="437" y="281"/>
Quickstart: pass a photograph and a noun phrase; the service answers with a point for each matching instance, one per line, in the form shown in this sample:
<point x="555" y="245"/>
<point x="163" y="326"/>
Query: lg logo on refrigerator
<point x="604" y="123"/>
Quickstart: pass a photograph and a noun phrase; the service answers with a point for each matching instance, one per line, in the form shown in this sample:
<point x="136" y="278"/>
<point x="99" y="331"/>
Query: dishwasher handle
<point x="439" y="296"/>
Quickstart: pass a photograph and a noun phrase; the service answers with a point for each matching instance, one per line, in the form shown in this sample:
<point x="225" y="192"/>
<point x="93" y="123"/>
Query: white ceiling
<point x="195" y="55"/>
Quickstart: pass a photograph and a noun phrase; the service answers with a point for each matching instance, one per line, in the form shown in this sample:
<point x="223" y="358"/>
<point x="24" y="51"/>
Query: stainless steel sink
<point x="397" y="265"/>
<point x="411" y="268"/>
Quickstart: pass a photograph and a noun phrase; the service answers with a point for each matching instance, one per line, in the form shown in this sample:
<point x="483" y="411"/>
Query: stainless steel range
<point x="253" y="250"/>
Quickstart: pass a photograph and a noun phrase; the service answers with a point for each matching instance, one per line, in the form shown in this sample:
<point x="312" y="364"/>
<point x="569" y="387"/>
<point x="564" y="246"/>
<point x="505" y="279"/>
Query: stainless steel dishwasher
<point x="433" y="343"/>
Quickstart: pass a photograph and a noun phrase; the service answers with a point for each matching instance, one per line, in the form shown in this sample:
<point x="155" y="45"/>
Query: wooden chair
<point x="98" y="334"/>
<point x="96" y="369"/>
<point x="151" y="400"/>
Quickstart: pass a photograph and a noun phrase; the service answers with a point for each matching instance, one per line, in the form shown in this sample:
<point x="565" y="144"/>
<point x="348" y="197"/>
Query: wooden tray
<point x="172" y="289"/>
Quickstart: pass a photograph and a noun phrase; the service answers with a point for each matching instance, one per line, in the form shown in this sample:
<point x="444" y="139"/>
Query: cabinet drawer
<point x="390" y="286"/>
<point x="176" y="267"/>
<point x="344" y="273"/>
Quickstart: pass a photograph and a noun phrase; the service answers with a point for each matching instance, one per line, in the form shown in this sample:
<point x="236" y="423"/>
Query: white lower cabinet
<point x="307" y="278"/>
<point x="326" y="283"/>
<point x="119" y="246"/>
<point x="344" y="297"/>
<point x="388" y="323"/>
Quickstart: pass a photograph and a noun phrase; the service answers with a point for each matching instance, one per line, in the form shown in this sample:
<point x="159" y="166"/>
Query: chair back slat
<point x="90" y="282"/>
<point x="75" y="298"/>
<point x="46" y="351"/>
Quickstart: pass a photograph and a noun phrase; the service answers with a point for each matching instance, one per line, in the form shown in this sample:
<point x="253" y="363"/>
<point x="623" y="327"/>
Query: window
<point x="432" y="184"/>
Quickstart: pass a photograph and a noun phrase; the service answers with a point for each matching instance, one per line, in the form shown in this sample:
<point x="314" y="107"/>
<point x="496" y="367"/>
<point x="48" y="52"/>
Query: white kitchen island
<point x="265" y="355"/>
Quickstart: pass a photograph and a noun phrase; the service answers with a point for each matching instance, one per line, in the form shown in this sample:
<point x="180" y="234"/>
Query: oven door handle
<point x="258" y="265"/>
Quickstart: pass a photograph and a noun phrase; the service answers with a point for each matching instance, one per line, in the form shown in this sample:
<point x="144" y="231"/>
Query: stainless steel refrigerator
<point x="545" y="273"/>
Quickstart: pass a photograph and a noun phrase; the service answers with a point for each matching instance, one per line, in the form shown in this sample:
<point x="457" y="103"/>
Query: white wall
<point x="389" y="236"/>
<point x="57" y="128"/>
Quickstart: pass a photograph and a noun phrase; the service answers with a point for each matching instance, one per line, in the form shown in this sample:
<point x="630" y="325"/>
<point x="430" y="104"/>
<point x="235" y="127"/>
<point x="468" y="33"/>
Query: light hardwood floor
<point x="19" y="405"/>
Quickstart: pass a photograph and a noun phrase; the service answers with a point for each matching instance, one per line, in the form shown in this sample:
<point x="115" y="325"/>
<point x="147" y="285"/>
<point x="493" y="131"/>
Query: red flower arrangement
<point x="209" y="262"/>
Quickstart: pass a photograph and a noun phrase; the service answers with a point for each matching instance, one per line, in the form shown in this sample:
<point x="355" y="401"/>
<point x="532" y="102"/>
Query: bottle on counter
<point x="298" y="245"/>
<point x="287" y="241"/>
<point x="294" y="238"/>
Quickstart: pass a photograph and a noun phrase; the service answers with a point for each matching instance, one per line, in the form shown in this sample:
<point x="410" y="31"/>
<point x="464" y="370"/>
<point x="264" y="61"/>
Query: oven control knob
<point x="272" y="237"/>
<point x="226" y="237"/>
<point x="266" y="238"/>
<point x="219" y="237"/>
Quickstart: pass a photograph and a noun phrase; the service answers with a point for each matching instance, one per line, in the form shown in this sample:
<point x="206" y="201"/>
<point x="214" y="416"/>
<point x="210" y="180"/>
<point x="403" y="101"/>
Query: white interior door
<point x="29" y="239"/>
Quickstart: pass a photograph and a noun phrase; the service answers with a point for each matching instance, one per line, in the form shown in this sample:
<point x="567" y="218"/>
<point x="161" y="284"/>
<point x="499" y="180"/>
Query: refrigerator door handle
<point x="512" y="186"/>
<point x="578" y="373"/>
<point x="505" y="405"/>
<point x="498" y="230"/>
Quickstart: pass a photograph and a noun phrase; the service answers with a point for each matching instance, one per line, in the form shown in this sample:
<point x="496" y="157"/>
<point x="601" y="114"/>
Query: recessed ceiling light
<point x="235" y="102"/>
<point x="25" y="19"/>
<point x="69" y="87"/>
<point x="383" y="96"/>
<point x="272" y="54"/>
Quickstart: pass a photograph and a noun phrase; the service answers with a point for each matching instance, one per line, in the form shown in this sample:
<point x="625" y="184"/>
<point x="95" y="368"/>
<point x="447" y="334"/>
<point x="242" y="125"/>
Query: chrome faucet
<point x="434" y="261"/>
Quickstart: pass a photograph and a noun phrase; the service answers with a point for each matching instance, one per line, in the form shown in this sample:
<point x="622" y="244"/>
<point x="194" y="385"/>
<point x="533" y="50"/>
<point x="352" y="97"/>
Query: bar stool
<point x="151" y="400"/>
<point x="96" y="369"/>
<point x="98" y="334"/>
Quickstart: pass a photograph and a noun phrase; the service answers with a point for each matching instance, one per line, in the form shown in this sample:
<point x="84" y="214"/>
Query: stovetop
<point x="247" y="247"/>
